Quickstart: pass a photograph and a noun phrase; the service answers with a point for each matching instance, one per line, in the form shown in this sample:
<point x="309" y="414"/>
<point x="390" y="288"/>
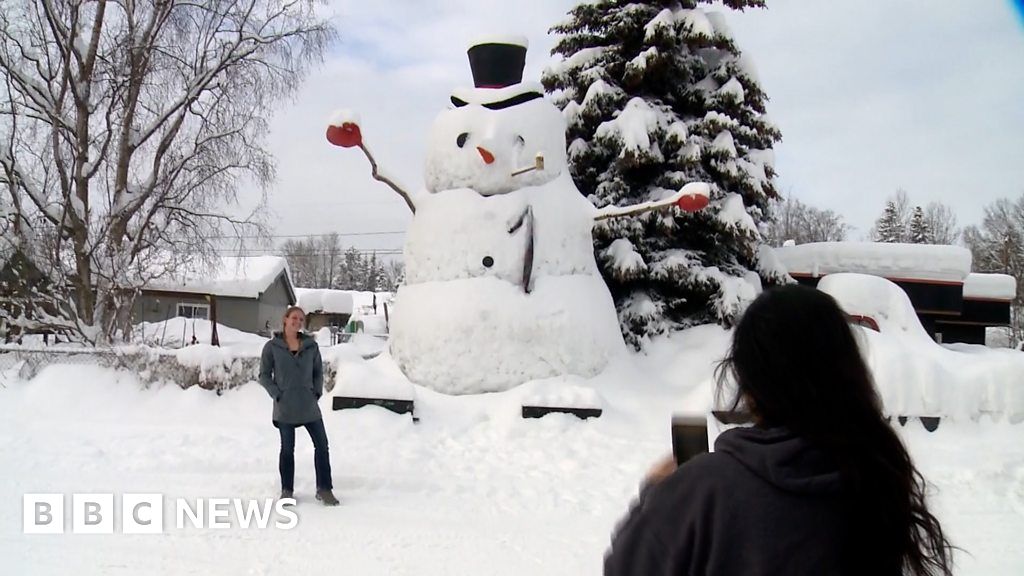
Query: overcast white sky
<point x="870" y="96"/>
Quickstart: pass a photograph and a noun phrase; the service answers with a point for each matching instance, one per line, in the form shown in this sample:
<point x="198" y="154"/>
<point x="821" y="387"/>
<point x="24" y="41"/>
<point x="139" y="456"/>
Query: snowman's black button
<point x="488" y="261"/>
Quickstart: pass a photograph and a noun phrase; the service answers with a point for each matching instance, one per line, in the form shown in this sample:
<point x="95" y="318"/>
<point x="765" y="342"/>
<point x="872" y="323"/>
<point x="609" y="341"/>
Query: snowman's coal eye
<point x="461" y="140"/>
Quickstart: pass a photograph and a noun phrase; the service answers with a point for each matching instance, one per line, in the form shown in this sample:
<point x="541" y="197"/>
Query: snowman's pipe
<point x="524" y="170"/>
<point x="538" y="164"/>
<point x="381" y="178"/>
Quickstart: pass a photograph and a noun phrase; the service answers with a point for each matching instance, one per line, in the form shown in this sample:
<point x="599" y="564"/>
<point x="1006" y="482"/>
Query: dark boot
<point x="327" y="497"/>
<point x="286" y="494"/>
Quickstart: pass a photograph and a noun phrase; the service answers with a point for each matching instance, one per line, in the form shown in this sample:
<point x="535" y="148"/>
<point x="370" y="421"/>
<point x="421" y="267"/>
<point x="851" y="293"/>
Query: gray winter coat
<point x="294" y="382"/>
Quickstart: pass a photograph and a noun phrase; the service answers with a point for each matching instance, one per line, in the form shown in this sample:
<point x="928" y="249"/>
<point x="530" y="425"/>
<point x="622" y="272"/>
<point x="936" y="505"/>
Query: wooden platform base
<point x="581" y="413"/>
<point x="396" y="406"/>
<point x="930" y="423"/>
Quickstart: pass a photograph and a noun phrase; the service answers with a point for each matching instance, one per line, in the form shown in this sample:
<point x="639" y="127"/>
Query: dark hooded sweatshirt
<point x="764" y="503"/>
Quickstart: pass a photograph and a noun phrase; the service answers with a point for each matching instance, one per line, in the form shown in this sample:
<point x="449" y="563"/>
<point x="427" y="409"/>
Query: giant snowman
<point x="501" y="285"/>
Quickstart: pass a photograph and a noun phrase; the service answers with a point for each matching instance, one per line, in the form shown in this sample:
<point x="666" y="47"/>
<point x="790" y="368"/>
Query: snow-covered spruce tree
<point x="889" y="226"/>
<point x="919" y="232"/>
<point x="656" y="95"/>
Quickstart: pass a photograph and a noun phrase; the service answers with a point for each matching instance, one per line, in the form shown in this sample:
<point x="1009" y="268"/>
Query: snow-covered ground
<point x="471" y="489"/>
<point x="177" y="332"/>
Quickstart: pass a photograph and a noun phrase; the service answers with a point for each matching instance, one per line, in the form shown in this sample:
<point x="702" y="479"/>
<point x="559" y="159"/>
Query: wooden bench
<point x="540" y="411"/>
<point x="930" y="423"/>
<point x="396" y="406"/>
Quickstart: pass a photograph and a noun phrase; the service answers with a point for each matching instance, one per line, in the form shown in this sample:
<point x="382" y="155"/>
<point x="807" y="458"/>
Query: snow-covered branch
<point x="693" y="189"/>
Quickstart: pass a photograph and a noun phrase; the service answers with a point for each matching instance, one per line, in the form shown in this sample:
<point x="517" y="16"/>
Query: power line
<point x="341" y="253"/>
<point x="256" y="237"/>
<point x="291" y="203"/>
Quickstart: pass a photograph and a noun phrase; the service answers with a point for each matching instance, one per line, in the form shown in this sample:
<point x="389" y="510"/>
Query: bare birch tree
<point x="126" y="128"/>
<point x="997" y="246"/>
<point x="802" y="223"/>
<point x="942" y="223"/>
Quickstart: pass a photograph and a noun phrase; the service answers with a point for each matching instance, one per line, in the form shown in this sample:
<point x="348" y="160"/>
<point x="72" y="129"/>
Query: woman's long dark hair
<point x="796" y="364"/>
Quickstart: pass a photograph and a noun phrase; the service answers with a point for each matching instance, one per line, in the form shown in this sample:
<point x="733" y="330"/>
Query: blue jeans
<point x="321" y="456"/>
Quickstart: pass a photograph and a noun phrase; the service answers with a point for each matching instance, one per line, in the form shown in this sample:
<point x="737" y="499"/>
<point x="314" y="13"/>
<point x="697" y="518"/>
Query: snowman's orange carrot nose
<point x="485" y="154"/>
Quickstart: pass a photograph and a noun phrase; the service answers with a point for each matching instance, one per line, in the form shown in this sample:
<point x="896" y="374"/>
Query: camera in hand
<point x="689" y="437"/>
<point x="690" y="433"/>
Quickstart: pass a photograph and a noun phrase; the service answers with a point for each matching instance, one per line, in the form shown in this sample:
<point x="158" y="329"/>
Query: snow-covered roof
<point x="324" y="301"/>
<point x="237" y="276"/>
<point x="990" y="287"/>
<point x="893" y="261"/>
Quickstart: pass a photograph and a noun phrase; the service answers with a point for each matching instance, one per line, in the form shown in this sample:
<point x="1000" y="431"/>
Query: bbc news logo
<point x="144" y="513"/>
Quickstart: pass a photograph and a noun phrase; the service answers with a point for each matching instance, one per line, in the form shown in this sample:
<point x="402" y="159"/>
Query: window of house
<point x="201" y="311"/>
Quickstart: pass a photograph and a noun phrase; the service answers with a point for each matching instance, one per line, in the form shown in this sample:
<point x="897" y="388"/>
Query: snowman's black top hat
<point x="497" y="65"/>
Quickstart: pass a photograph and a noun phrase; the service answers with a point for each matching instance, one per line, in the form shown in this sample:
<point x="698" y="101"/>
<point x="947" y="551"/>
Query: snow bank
<point x="917" y="377"/>
<point x="896" y="261"/>
<point x="177" y="332"/>
<point x="217" y="367"/>
<point x="990" y="287"/>
<point x="376" y="378"/>
<point x="561" y="392"/>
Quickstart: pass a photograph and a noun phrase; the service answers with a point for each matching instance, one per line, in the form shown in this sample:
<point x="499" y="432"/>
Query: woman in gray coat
<point x="291" y="371"/>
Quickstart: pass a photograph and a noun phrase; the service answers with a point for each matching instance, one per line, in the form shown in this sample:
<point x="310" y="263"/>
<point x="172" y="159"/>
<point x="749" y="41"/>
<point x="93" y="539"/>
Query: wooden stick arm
<point x="691" y="189"/>
<point x="343" y="130"/>
<point x="387" y="179"/>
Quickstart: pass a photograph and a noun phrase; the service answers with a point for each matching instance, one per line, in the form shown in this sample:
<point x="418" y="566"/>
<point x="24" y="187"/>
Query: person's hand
<point x="661" y="470"/>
